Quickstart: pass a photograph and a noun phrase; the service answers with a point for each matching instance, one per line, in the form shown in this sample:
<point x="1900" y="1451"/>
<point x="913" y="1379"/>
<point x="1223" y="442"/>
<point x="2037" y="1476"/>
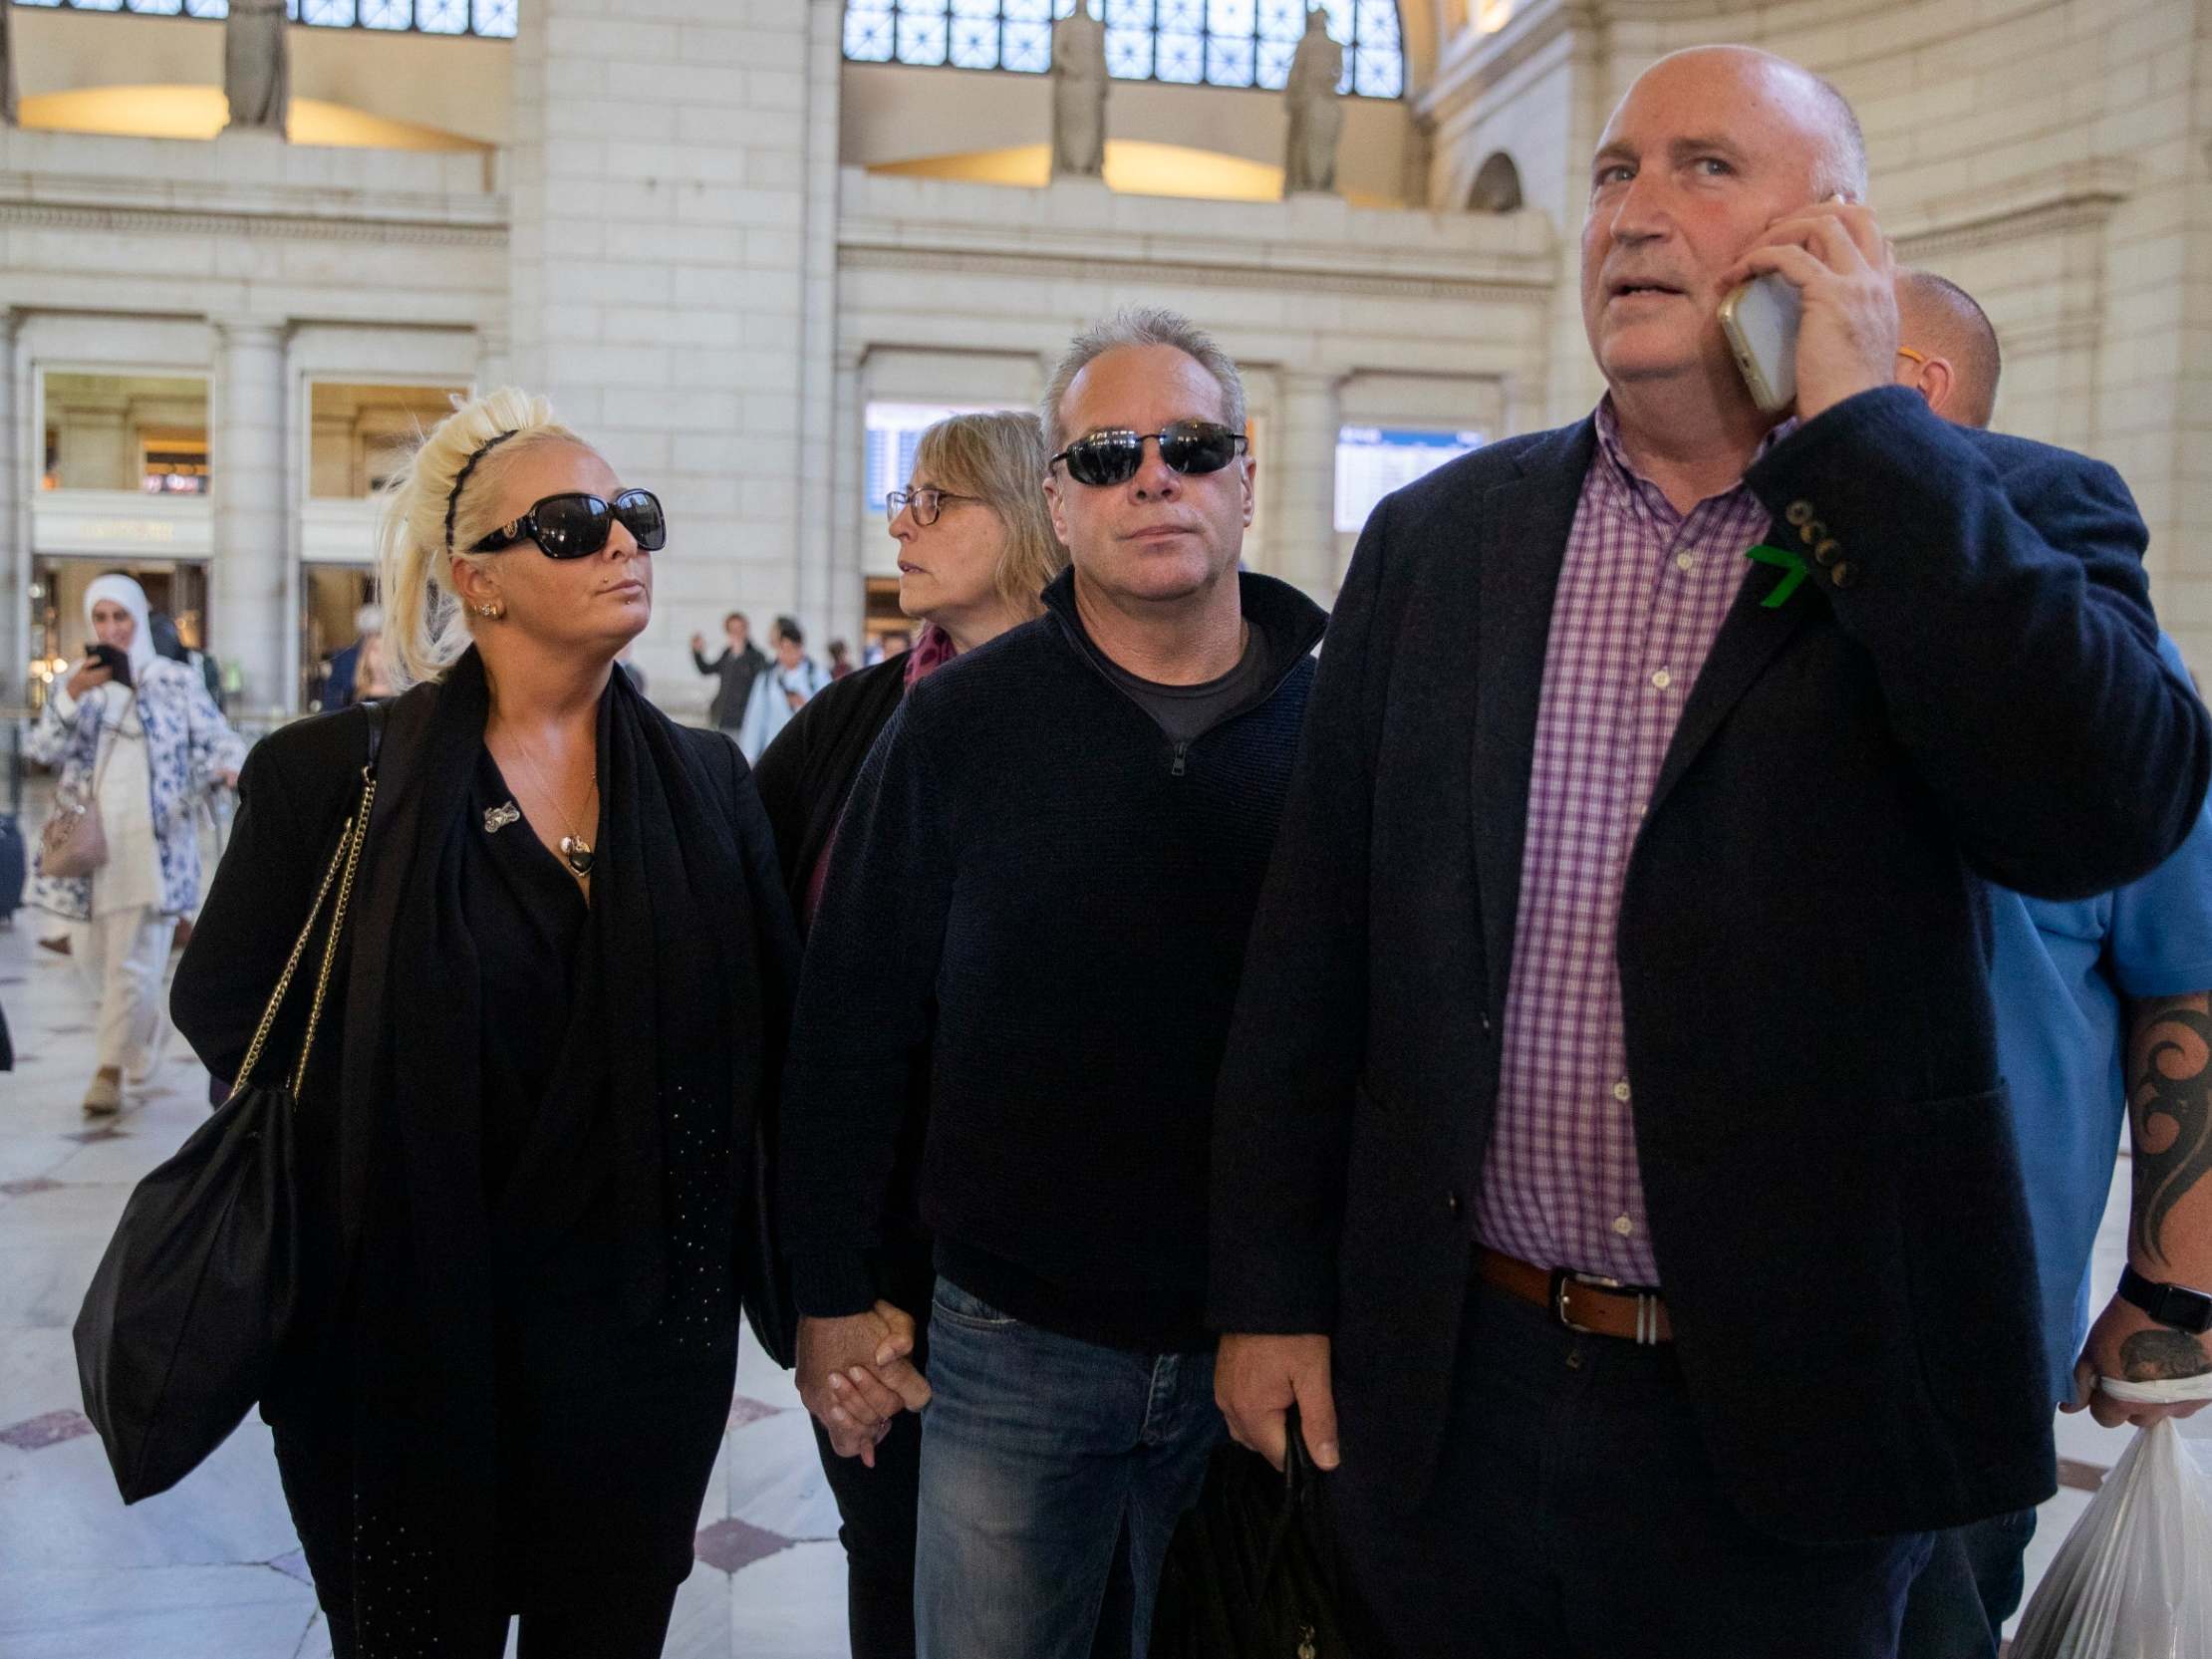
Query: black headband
<point x="453" y="501"/>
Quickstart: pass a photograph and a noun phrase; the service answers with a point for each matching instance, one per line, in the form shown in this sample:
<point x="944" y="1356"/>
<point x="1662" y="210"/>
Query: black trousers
<point x="1577" y="1516"/>
<point x="877" y="1509"/>
<point x="877" y="1506"/>
<point x="624" y="1621"/>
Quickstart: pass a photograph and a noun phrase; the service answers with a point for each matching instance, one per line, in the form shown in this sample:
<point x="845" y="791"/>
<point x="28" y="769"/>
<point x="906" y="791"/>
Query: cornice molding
<point x="46" y="203"/>
<point x="1060" y="267"/>
<point x="2078" y="196"/>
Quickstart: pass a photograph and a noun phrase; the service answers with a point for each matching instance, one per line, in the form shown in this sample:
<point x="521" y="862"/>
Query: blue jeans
<point x="1971" y="1586"/>
<point x="1040" y="1452"/>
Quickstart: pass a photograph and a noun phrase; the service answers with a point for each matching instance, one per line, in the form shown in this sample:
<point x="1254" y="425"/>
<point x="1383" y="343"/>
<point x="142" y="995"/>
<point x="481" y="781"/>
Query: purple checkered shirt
<point x="1642" y="592"/>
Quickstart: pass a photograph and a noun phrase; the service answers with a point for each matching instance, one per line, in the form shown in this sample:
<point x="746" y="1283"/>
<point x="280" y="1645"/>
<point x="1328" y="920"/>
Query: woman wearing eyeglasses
<point x="531" y="1111"/>
<point x="976" y="550"/>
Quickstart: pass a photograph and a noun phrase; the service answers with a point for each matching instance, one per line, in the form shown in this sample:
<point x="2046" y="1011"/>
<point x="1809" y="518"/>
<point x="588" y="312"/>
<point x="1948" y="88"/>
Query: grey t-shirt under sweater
<point x="1185" y="712"/>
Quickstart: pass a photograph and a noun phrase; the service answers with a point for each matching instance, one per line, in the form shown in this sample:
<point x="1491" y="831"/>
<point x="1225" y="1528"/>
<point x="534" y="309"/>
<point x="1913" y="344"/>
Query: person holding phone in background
<point x="1610" y="1159"/>
<point x="139" y="738"/>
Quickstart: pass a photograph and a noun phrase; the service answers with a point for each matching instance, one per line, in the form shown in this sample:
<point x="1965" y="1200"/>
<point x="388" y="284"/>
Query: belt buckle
<point x="1647" y="1305"/>
<point x="1565" y="1278"/>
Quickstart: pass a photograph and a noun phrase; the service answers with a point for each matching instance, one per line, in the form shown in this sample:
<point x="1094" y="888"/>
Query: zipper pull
<point x="1181" y="749"/>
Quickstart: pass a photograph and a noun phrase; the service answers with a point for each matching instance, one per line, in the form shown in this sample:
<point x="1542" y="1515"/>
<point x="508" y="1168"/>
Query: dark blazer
<point x="1967" y="687"/>
<point x="808" y="770"/>
<point x="734" y="671"/>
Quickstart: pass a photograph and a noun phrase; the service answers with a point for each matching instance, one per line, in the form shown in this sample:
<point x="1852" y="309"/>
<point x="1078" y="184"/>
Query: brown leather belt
<point x="1580" y="1301"/>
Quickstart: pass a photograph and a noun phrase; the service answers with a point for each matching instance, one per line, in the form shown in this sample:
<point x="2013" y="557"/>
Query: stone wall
<point x="2050" y="156"/>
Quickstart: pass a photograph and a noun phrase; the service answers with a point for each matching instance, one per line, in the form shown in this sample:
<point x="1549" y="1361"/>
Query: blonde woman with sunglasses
<point x="530" y="1121"/>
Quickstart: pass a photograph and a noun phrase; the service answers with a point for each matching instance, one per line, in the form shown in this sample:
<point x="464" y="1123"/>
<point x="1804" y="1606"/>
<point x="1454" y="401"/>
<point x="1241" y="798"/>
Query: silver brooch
<point x="497" y="818"/>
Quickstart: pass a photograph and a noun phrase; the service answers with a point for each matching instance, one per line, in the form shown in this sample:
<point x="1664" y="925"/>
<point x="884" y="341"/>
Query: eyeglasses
<point x="1187" y="447"/>
<point x="1908" y="353"/>
<point x="927" y="503"/>
<point x="576" y="526"/>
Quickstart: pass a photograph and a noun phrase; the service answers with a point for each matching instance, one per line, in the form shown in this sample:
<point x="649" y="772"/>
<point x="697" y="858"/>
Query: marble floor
<point x="211" y="1569"/>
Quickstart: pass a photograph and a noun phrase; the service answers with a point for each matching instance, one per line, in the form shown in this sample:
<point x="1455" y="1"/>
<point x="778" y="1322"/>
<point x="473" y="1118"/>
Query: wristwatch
<point x="2170" y="1304"/>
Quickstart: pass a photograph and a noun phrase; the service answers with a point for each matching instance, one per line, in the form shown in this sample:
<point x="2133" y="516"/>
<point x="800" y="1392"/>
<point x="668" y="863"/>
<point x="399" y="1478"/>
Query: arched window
<point x="491" y="17"/>
<point x="1220" y="43"/>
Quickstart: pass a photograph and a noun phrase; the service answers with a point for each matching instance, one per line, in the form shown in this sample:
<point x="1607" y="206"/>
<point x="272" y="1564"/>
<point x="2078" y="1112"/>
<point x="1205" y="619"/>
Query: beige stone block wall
<point x="2051" y="155"/>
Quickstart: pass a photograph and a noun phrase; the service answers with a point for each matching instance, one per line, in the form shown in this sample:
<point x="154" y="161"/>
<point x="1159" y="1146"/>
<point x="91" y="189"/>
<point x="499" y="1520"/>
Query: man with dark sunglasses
<point x="1063" y="834"/>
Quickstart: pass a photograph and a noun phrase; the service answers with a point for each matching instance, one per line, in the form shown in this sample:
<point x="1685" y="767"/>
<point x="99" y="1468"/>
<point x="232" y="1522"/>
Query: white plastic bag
<point x="2133" y="1581"/>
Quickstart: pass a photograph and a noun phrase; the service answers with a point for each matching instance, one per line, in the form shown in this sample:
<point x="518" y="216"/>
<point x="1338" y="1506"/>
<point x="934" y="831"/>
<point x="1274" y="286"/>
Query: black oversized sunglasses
<point x="575" y="526"/>
<point x="1187" y="447"/>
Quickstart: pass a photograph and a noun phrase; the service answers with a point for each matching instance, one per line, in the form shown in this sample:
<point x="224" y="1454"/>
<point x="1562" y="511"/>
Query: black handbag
<point x="199" y="1285"/>
<point x="1252" y="1572"/>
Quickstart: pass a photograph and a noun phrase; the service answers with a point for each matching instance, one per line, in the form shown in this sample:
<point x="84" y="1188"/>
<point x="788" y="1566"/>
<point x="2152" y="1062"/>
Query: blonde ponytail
<point x="437" y="506"/>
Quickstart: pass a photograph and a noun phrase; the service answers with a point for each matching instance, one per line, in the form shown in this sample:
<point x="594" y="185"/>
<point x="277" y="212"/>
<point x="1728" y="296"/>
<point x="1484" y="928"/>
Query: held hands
<point x="2127" y="1343"/>
<point x="89" y="674"/>
<point x="1257" y="1379"/>
<point x="1837" y="259"/>
<point x="854" y="1376"/>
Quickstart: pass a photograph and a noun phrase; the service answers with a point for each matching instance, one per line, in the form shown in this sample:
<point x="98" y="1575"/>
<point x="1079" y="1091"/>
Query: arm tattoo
<point x="2180" y="1036"/>
<point x="2163" y="1356"/>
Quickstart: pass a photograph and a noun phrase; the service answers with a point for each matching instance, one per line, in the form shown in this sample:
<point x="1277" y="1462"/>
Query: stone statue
<point x="257" y="67"/>
<point x="1317" y="116"/>
<point x="1079" y="95"/>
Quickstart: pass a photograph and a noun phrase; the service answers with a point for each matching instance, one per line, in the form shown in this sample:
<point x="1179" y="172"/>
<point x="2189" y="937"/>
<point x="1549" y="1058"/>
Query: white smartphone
<point x="1761" y="322"/>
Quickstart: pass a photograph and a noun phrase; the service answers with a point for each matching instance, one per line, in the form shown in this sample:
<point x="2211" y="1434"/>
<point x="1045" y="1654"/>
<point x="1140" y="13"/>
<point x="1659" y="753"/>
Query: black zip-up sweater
<point x="1040" y="889"/>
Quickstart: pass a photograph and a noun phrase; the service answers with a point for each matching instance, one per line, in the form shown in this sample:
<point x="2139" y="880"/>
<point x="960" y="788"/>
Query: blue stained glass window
<point x="1129" y="54"/>
<point x="1273" y="68"/>
<point x="492" y="19"/>
<point x="1026" y="47"/>
<point x="1380" y="74"/>
<point x="1227" y="61"/>
<point x="921" y="36"/>
<point x="974" y="43"/>
<point x="1180" y="57"/>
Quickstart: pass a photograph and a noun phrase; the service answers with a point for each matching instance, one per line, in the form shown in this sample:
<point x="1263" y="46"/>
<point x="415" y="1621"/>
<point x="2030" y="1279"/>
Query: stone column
<point x="846" y="515"/>
<point x="495" y="359"/>
<point x="15" y="528"/>
<point x="249" y="583"/>
<point x="1303" y="534"/>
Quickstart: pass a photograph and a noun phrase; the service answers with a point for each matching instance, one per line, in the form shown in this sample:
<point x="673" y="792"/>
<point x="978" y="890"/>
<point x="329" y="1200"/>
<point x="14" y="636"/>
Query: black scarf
<point x="655" y="1094"/>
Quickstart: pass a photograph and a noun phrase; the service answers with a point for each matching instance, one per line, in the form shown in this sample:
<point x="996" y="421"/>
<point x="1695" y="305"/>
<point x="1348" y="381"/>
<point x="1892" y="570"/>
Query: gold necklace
<point x="576" y="852"/>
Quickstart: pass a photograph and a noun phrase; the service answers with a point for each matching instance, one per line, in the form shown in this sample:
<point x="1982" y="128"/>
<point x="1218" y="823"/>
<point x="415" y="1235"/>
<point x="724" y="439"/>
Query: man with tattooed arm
<point x="2097" y="1001"/>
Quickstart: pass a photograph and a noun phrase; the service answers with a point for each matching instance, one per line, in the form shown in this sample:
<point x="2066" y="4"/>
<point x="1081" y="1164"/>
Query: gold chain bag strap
<point x="73" y="842"/>
<point x="344" y="862"/>
<point x="209" y="1270"/>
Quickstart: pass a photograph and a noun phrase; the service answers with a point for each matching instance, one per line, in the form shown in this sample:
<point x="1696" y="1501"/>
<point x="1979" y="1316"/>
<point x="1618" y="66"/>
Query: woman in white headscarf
<point x="143" y="749"/>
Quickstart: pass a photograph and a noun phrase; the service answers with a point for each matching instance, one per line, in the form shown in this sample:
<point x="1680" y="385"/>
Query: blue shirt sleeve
<point x="2160" y="942"/>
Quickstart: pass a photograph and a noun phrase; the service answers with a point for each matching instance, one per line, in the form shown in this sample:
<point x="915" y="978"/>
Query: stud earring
<point x="492" y="611"/>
